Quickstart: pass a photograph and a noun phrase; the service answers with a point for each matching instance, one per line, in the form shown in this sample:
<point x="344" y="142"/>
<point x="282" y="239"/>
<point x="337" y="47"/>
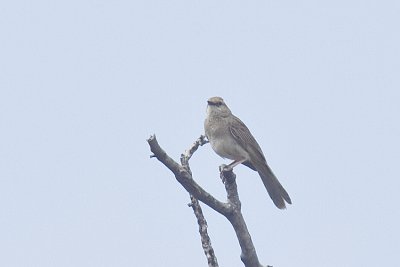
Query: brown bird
<point x="230" y="138"/>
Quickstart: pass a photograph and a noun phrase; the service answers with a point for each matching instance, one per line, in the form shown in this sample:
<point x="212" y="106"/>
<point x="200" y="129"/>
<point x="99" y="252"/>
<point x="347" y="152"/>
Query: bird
<point x="230" y="138"/>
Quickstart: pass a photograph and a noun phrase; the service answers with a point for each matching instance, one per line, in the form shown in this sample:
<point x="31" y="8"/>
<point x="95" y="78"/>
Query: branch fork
<point x="231" y="210"/>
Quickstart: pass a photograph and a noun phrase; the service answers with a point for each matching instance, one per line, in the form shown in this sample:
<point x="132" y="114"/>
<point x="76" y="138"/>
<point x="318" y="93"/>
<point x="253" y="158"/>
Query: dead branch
<point x="231" y="210"/>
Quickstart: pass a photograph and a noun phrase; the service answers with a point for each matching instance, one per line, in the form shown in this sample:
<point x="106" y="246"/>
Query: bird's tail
<point x="275" y="190"/>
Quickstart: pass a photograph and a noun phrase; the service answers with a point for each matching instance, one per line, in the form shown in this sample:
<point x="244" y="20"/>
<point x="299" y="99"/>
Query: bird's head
<point x="216" y="105"/>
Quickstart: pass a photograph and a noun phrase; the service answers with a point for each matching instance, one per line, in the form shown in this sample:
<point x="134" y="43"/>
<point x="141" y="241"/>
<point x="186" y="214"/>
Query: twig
<point x="194" y="203"/>
<point x="205" y="238"/>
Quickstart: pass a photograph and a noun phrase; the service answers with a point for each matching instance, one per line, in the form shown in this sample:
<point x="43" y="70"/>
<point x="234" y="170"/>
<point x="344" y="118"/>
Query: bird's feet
<point x="225" y="168"/>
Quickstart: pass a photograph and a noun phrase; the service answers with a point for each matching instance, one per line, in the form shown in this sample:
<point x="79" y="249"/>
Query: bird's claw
<point x="225" y="168"/>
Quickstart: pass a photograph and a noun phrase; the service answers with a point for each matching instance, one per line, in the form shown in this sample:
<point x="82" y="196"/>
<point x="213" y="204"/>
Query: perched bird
<point x="230" y="138"/>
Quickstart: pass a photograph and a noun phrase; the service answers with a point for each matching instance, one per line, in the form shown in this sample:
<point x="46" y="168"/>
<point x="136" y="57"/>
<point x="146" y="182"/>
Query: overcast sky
<point x="83" y="84"/>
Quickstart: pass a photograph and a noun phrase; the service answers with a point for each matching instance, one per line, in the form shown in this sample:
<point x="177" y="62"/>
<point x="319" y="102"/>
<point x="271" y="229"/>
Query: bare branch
<point x="184" y="177"/>
<point x="162" y="156"/>
<point x="201" y="221"/>
<point x="205" y="239"/>
<point x="249" y="255"/>
<point x="231" y="210"/>
<point x="188" y="153"/>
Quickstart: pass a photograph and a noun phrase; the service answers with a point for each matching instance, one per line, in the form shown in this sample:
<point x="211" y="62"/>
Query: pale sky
<point x="83" y="84"/>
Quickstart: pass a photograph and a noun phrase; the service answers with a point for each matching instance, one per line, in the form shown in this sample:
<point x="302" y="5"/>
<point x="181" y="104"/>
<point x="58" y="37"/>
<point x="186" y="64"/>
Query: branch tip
<point x="151" y="138"/>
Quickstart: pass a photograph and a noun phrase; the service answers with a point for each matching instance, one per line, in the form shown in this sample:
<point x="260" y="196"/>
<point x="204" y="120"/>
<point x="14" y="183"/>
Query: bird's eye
<point x="214" y="103"/>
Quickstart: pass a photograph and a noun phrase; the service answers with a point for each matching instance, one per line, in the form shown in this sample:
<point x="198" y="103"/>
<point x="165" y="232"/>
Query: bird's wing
<point x="243" y="136"/>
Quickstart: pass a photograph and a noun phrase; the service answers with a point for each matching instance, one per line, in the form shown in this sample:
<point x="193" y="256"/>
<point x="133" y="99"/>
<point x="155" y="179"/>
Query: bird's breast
<point x="222" y="140"/>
